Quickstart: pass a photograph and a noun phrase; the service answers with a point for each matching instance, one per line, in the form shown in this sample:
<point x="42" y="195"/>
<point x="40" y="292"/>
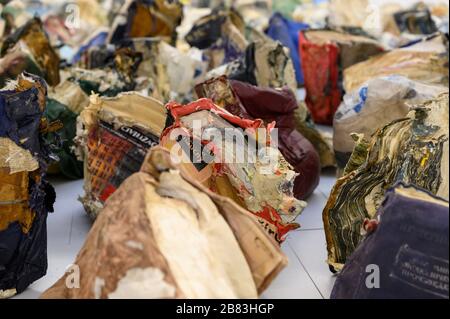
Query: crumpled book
<point x="26" y="196"/>
<point x="164" y="72"/>
<point x="164" y="235"/>
<point x="32" y="40"/>
<point x="113" y="136"/>
<point x="233" y="156"/>
<point x="191" y="15"/>
<point x="406" y="255"/>
<point x="184" y="70"/>
<point x="221" y="28"/>
<point x="325" y="54"/>
<point x="394" y="23"/>
<point x="147" y="18"/>
<point x="221" y="36"/>
<point x="140" y="60"/>
<point x="440" y="15"/>
<point x="376" y="103"/>
<point x="413" y="150"/>
<point x="265" y="63"/>
<point x="322" y="141"/>
<point x="133" y="65"/>
<point x="148" y="65"/>
<point x="105" y="82"/>
<point x="430" y="57"/>
<point x="95" y="56"/>
<point x="351" y="13"/>
<point x="416" y="20"/>
<point x="286" y="31"/>
<point x="241" y="51"/>
<point x="77" y="55"/>
<point x="64" y="103"/>
<point x="251" y="102"/>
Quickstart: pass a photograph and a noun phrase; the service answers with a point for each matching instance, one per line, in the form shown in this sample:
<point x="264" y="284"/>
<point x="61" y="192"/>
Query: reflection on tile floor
<point x="306" y="277"/>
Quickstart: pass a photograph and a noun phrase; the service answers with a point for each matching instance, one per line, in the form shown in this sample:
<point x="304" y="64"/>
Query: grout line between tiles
<point x="307" y="273"/>
<point x="309" y="229"/>
<point x="324" y="195"/>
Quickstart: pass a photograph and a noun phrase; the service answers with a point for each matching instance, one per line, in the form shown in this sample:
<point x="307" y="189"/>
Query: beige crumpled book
<point x="426" y="61"/>
<point x="376" y="103"/>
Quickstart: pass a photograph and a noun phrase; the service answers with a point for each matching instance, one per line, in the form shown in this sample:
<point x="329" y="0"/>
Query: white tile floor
<point x="306" y="276"/>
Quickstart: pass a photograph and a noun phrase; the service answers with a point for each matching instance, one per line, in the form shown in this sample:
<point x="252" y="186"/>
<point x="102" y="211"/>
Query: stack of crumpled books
<point x="26" y="196"/>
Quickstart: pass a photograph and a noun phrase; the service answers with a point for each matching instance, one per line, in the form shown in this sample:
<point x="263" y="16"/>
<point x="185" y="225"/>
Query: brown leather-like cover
<point x="279" y="105"/>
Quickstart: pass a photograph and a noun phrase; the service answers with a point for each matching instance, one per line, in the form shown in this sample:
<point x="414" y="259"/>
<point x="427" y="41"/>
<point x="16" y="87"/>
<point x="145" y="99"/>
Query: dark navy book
<point x="406" y="256"/>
